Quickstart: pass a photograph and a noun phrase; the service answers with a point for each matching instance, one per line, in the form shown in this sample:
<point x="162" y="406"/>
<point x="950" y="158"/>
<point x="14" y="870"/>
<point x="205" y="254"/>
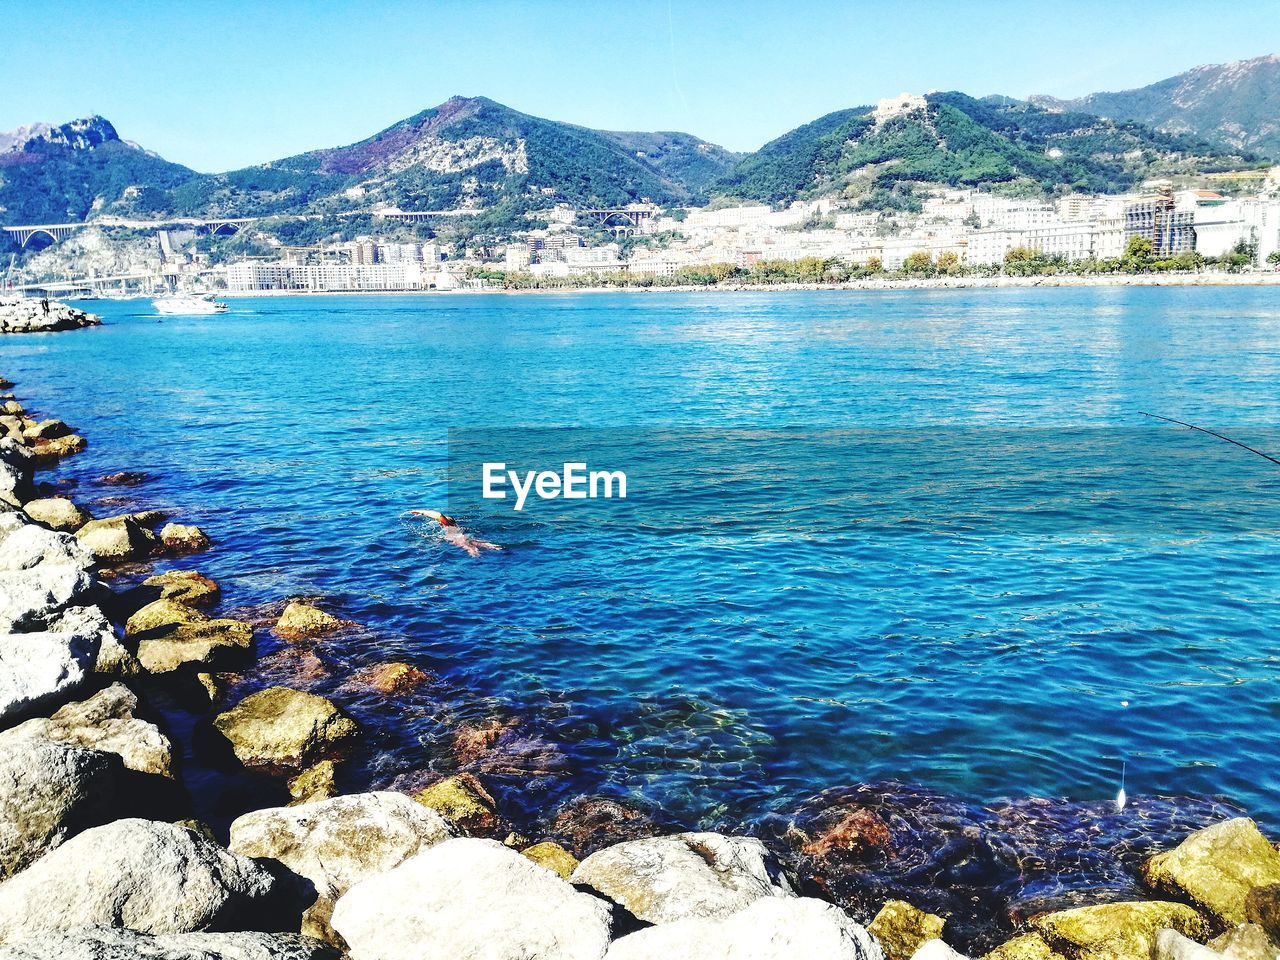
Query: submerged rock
<point x="302" y="620"/>
<point x="586" y="824"/>
<point x="116" y="539"/>
<point x="285" y="729"/>
<point x="57" y="513"/>
<point x="796" y="928"/>
<point x="125" y="478"/>
<point x="145" y="875"/>
<point x="554" y="857"/>
<point x="48" y="793"/>
<point x="902" y="929"/>
<point x="462" y="799"/>
<point x="663" y="879"/>
<point x="471" y="899"/>
<point x="1117" y="931"/>
<point x="391" y="678"/>
<point x="314" y="783"/>
<point x="1216" y="868"/>
<point x="339" y="842"/>
<point x="184" y="538"/>
<point x="104" y="722"/>
<point x="113" y="943"/>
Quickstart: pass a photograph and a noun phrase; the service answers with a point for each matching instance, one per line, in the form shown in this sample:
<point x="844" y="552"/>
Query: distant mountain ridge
<point x="955" y="139"/>
<point x="472" y="153"/>
<point x="1236" y="104"/>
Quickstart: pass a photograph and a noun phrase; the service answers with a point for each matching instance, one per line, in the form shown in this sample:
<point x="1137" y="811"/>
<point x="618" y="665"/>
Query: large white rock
<point x="1171" y="945"/>
<point x="113" y="943"/>
<point x="47" y="666"/>
<point x="48" y="792"/>
<point x="145" y="875"/>
<point x="336" y="843"/>
<point x="772" y="928"/>
<point x="662" y="879"/>
<point x="470" y="899"/>
<point x="31" y="545"/>
<point x="41" y="572"/>
<point x="104" y="722"/>
<point x="937" y="950"/>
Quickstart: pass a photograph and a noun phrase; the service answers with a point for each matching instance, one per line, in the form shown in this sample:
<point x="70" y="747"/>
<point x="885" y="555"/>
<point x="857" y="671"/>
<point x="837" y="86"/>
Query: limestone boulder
<point x="104" y="722"/>
<point x="463" y="799"/>
<point x="937" y="950"/>
<point x="144" y="875"/>
<point x="337" y="843"/>
<point x="1248" y="941"/>
<point x="664" y="879"/>
<point x="1171" y="945"/>
<point x="57" y="513"/>
<point x="116" y="539"/>
<point x="552" y="856"/>
<point x="48" y="793"/>
<point x="901" y="929"/>
<point x="1117" y="931"/>
<point x="48" y="430"/>
<point x="46" y="667"/>
<point x="115" y="943"/>
<point x="1216" y="868"/>
<point x="303" y="620"/>
<point x="284" y="729"/>
<point x="17" y="467"/>
<point x="184" y="538"/>
<point x="469" y="899"/>
<point x="793" y="928"/>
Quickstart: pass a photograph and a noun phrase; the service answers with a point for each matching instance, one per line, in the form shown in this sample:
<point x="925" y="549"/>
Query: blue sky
<point x="218" y="84"/>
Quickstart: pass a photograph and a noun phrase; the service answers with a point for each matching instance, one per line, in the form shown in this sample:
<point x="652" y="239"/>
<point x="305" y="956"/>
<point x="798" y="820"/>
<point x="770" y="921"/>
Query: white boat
<point x="188" y="304"/>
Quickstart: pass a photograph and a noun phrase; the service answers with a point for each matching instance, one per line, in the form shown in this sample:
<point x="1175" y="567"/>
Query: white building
<point x="251" y="275"/>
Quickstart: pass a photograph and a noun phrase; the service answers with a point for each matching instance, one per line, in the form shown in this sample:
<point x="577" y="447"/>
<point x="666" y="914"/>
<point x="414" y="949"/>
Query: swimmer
<point x="453" y="533"/>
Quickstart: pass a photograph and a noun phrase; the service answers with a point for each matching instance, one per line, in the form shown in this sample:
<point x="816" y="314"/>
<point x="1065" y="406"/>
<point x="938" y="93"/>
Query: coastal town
<point x="1230" y="222"/>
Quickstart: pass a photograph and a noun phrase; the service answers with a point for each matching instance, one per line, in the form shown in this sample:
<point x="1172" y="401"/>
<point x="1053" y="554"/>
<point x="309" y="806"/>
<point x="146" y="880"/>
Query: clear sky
<point x="218" y="84"/>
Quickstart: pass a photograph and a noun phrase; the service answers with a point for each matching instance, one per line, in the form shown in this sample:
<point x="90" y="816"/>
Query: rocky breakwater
<point x="30" y="315"/>
<point x="99" y="856"/>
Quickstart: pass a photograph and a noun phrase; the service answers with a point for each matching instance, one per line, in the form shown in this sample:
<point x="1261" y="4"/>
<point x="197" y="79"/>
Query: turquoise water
<point x="916" y="536"/>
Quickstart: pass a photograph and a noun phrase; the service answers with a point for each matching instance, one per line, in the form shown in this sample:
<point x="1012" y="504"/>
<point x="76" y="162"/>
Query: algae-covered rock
<point x="49" y="451"/>
<point x="390" y="678"/>
<point x="285" y="729"/>
<point x="903" y="929"/>
<point x="1117" y="931"/>
<point x="462" y="799"/>
<point x="1029" y="946"/>
<point x="184" y="586"/>
<point x="552" y="856"/>
<point x="663" y="879"/>
<point x="171" y="634"/>
<point x="1262" y="906"/>
<point x="184" y="538"/>
<point x="57" y="513"/>
<point x="116" y="539"/>
<point x="301" y="620"/>
<point x="314" y="783"/>
<point x="1217" y="867"/>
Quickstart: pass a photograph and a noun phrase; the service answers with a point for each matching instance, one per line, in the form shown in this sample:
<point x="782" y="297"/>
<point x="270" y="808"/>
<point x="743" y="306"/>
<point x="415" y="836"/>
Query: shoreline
<point x="621" y="852"/>
<point x="1257" y="279"/>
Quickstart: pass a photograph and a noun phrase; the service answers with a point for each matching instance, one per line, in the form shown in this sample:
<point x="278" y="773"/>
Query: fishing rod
<point x="1183" y="423"/>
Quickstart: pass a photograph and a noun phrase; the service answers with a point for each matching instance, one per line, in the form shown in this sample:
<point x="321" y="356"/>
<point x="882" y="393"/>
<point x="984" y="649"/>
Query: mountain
<point x="59" y="174"/>
<point x="1235" y="104"/>
<point x="954" y="139"/>
<point x="470" y="152"/>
